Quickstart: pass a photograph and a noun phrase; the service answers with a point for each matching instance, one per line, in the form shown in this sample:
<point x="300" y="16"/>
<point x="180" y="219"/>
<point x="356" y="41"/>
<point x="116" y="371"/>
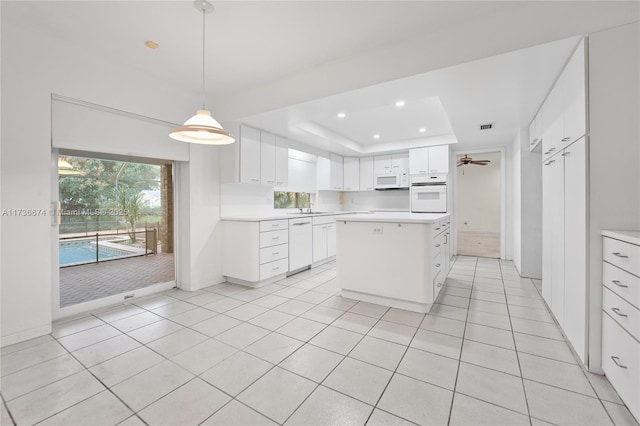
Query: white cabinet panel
<point x="270" y="254"/>
<point x="575" y="100"/>
<point x="556" y="168"/>
<point x="274" y="225"/>
<point x="382" y="164"/>
<point x="267" y="159"/>
<point x="419" y="161"/>
<point x="337" y="172"/>
<point x="366" y="174"/>
<point x="439" y="159"/>
<point x="319" y="242"/>
<point x="622" y="312"/>
<point x="282" y="162"/>
<point x="622" y="283"/>
<point x="351" y="174"/>
<point x="621" y="254"/>
<point x="271" y="269"/>
<point x="621" y="363"/>
<point x="331" y="239"/>
<point x="273" y="238"/>
<point x="575" y="243"/>
<point x="249" y="155"/>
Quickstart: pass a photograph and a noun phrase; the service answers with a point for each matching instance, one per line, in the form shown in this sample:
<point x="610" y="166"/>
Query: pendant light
<point x="202" y="128"/>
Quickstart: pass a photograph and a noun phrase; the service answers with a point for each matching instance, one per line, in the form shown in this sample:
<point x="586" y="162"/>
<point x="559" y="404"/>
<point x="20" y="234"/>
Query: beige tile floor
<point x="295" y="353"/>
<point x="484" y="244"/>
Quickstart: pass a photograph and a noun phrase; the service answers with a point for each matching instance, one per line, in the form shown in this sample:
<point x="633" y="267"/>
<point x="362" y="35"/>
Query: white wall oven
<point x="429" y="194"/>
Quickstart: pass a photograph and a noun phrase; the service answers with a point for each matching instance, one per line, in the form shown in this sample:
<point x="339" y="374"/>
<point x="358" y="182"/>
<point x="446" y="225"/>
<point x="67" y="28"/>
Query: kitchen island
<point x="394" y="259"/>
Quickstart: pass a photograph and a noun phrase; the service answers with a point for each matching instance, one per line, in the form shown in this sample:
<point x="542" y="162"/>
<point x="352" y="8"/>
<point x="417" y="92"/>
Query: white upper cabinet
<point x="351" y="174"/>
<point x="323" y="173"/>
<point x="249" y="155"/>
<point x="419" y="161"/>
<point x="282" y="162"/>
<point x="565" y="107"/>
<point x="400" y="162"/>
<point x="267" y="158"/>
<point x="366" y="174"/>
<point x="575" y="99"/>
<point x="439" y="159"/>
<point x="382" y="164"/>
<point x="536" y="130"/>
<point x="428" y="160"/>
<point x="337" y="172"/>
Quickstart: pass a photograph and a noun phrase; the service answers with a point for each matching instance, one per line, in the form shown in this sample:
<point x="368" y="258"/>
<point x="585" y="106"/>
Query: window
<point x="291" y="200"/>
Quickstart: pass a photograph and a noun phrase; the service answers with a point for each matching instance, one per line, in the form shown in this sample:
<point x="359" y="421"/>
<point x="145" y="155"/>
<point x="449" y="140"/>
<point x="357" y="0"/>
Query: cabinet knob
<point x="620" y="255"/>
<point x="616" y="282"/>
<point x="566" y="139"/>
<point x="616" y="360"/>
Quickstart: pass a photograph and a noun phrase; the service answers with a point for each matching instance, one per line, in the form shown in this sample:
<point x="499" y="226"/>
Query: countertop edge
<point x="632" y="237"/>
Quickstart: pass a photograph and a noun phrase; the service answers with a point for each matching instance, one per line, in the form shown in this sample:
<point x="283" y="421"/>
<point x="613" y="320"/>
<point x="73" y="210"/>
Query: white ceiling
<point x="268" y="55"/>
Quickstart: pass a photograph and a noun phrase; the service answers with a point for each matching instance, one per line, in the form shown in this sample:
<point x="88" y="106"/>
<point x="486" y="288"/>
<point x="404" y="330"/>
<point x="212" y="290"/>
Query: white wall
<point x="527" y="207"/>
<point x="479" y="195"/>
<point x="33" y="68"/>
<point x="614" y="153"/>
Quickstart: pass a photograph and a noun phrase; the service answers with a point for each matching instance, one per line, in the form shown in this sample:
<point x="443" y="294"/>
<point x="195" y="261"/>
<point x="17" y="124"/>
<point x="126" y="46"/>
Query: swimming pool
<point x="79" y="252"/>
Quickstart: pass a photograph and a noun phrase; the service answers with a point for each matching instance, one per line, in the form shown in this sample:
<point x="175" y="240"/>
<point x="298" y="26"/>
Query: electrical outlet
<point x="377" y="231"/>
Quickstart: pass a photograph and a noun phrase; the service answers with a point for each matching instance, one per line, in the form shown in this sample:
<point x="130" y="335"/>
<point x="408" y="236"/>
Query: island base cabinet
<point x="373" y="268"/>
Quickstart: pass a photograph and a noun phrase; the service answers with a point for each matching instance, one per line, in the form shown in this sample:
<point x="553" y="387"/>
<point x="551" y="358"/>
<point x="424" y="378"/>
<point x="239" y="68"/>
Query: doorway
<point x="479" y="204"/>
<point x="115" y="228"/>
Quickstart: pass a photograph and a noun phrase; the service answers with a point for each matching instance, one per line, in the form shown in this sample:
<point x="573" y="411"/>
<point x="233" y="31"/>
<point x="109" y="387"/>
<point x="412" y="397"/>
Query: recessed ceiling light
<point x="376" y="136"/>
<point x="151" y="44"/>
<point x="400" y="103"/>
<point x="422" y="130"/>
<point x="341" y="115"/>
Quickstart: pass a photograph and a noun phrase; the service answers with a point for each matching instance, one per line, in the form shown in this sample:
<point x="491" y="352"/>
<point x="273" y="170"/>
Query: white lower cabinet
<point x="621" y="318"/>
<point x="255" y="252"/>
<point x="324" y="238"/>
<point x="564" y="242"/>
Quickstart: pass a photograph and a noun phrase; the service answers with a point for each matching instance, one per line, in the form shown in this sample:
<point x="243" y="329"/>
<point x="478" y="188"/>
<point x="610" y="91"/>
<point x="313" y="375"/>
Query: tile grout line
<point x="513" y="337"/>
<point x="455" y="383"/>
<point x="6" y="407"/>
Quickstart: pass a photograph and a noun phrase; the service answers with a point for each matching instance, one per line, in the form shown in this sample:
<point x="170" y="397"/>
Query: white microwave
<point x="391" y="181"/>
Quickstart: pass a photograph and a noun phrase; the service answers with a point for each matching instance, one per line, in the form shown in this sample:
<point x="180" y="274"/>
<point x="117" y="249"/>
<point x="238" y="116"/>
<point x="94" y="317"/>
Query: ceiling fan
<point x="468" y="160"/>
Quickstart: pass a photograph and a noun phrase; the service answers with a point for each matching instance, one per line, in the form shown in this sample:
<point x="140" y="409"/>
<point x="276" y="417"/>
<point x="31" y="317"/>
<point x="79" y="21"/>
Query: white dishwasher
<point x="300" y="243"/>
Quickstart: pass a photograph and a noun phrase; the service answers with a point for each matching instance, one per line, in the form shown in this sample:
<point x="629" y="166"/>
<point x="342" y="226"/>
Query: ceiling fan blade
<point x="480" y="163"/>
<point x="460" y="164"/>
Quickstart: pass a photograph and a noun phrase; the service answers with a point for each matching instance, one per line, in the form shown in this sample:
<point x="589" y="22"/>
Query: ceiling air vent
<point x="487" y="126"/>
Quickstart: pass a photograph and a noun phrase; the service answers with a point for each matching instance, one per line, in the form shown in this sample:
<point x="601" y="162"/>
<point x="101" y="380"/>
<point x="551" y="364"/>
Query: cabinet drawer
<point x="322" y="220"/>
<point x="274" y="238"/>
<point x="621" y="254"/>
<point x="622" y="283"/>
<point x="620" y="350"/>
<point x="272" y="269"/>
<point x="624" y="314"/>
<point x="274" y="225"/>
<point x="270" y="254"/>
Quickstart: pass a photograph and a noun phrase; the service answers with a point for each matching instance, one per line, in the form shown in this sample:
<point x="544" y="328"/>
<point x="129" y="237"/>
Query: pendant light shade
<point x="202" y="128"/>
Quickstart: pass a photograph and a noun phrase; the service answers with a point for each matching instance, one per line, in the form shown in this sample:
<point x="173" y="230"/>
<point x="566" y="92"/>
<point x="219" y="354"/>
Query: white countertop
<point x="402" y="217"/>
<point x="632" y="237"/>
<point x="276" y="216"/>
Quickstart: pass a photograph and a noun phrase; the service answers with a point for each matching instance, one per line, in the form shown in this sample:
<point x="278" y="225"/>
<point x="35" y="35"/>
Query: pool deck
<point x="94" y="281"/>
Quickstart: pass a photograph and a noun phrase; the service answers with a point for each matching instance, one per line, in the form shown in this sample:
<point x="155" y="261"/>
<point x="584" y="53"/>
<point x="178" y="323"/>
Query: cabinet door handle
<point x="437" y="265"/>
<point x="566" y="154"/>
<point x="616" y="282"/>
<point x="275" y="254"/>
<point x="549" y="162"/>
<point x="269" y="181"/>
<point x="617" y="311"/>
<point x="275" y="224"/>
<point x="275" y="238"/>
<point x="551" y="149"/>
<point x="255" y="180"/>
<point x="437" y="229"/>
<point x="437" y="245"/>
<point x="275" y="269"/>
<point x="279" y="183"/>
<point x="566" y="139"/>
<point x="620" y="255"/>
<point x="616" y="360"/>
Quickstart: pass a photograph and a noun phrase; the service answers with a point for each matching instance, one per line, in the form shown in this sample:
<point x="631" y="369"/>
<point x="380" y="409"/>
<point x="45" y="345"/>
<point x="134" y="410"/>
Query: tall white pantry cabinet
<point x="590" y="138"/>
